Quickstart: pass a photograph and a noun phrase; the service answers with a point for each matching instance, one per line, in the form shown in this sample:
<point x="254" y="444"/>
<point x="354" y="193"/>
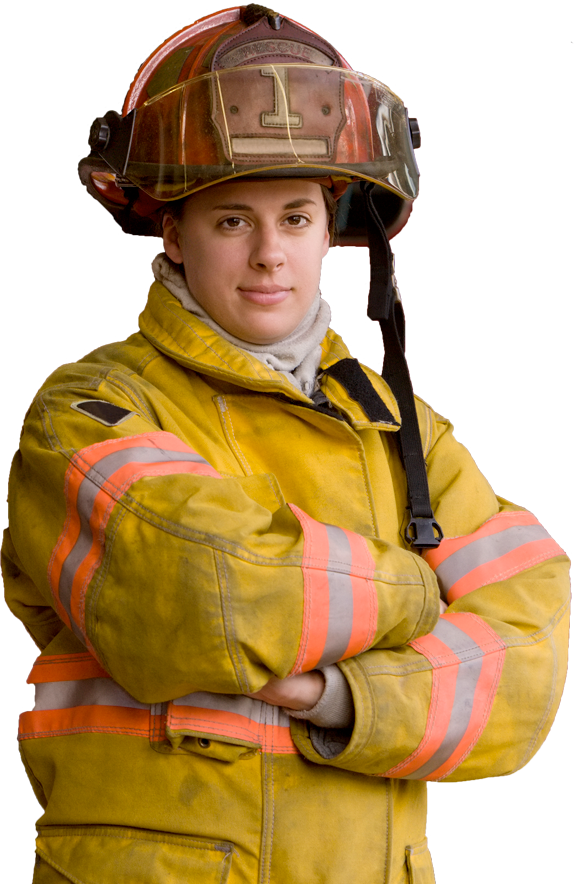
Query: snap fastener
<point x="204" y="744"/>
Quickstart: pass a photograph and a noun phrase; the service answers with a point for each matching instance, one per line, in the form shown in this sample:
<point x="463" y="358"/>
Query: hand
<point x="298" y="692"/>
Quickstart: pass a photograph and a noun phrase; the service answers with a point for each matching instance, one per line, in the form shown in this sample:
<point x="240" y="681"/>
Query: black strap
<point x="423" y="531"/>
<point x="351" y="376"/>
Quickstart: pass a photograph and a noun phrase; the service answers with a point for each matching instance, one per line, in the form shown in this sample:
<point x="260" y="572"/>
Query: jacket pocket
<point x="419" y="863"/>
<point x="108" y="854"/>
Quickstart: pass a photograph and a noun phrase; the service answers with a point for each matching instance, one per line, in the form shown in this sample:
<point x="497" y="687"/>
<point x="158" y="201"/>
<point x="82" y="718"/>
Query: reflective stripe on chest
<point x="75" y="695"/>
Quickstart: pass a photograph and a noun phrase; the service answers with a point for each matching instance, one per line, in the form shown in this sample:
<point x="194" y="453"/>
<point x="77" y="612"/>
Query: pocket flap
<point x="419" y="863"/>
<point x="108" y="854"/>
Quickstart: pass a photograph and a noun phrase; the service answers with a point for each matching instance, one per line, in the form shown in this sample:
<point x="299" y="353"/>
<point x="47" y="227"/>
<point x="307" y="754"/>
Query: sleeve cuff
<point x="335" y="708"/>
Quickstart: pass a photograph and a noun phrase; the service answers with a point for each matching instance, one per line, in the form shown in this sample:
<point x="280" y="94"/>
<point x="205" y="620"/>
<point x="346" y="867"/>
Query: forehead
<point x="272" y="194"/>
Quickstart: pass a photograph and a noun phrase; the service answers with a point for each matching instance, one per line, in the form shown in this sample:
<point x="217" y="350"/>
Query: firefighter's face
<point x="252" y="253"/>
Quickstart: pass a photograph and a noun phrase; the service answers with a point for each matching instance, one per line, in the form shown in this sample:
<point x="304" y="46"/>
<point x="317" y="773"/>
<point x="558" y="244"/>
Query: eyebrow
<point x="243" y="207"/>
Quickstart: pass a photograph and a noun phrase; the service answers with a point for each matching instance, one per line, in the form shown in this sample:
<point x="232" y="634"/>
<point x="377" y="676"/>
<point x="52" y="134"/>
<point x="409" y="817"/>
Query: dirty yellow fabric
<point x="201" y="588"/>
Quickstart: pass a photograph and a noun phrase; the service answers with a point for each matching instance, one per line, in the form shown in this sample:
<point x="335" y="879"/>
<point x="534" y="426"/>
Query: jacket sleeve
<point x="476" y="696"/>
<point x="178" y="577"/>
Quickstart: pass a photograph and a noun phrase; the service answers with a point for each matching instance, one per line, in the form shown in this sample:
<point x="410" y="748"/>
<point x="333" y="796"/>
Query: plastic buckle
<point x="423" y="532"/>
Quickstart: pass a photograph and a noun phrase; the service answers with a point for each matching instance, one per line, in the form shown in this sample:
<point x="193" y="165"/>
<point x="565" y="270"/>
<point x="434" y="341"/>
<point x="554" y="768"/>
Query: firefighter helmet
<point x="247" y="91"/>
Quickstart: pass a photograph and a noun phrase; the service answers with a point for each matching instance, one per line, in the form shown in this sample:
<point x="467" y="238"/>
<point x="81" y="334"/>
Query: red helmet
<point x="247" y="91"/>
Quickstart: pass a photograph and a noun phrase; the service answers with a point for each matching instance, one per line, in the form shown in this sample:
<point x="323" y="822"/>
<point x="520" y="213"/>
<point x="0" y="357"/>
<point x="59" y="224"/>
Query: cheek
<point x="218" y="254"/>
<point x="309" y="261"/>
<point x="201" y="259"/>
<point x="213" y="270"/>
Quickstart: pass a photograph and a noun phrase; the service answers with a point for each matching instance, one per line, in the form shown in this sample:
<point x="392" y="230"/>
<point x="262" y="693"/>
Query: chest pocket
<point x="318" y="461"/>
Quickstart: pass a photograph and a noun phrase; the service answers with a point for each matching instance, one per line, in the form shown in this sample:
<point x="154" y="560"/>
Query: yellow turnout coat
<point x="184" y="523"/>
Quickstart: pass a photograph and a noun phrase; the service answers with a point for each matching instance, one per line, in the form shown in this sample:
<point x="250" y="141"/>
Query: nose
<point x="267" y="253"/>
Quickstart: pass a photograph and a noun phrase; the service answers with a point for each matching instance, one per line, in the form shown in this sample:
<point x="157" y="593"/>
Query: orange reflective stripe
<point x="365" y="601"/>
<point x="505" y="545"/>
<point x="278" y="740"/>
<point x="271" y="735"/>
<point x="467" y="658"/>
<point x="84" y="719"/>
<point x="67" y="540"/>
<point x="213" y="720"/>
<point x="96" y="479"/>
<point x="339" y="598"/>
<point x="65" y="667"/>
<point x="315" y="595"/>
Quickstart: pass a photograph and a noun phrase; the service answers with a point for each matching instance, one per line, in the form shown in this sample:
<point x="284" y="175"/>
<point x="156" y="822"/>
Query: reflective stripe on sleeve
<point x="96" y="479"/>
<point x="92" y="702"/>
<point x="340" y="601"/>
<point x="466" y="658"/>
<point x="66" y="667"/>
<point x="505" y="545"/>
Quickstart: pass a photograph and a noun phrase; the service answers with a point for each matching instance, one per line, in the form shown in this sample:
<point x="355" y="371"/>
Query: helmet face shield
<point x="266" y="118"/>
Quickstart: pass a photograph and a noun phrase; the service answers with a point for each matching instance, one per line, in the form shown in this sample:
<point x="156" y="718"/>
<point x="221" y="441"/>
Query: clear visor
<point x="266" y="118"/>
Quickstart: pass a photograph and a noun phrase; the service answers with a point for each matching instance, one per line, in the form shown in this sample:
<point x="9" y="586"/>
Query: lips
<point x="264" y="289"/>
<point x="265" y="295"/>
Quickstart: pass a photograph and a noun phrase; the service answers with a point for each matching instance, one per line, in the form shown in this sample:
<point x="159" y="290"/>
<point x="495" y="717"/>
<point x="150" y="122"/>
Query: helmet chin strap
<point x="422" y="531"/>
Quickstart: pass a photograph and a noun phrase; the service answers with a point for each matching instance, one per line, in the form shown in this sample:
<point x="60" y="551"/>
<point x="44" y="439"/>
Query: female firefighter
<point x="273" y="595"/>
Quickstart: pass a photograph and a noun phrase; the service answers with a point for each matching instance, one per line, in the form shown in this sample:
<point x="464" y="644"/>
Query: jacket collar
<point x="185" y="338"/>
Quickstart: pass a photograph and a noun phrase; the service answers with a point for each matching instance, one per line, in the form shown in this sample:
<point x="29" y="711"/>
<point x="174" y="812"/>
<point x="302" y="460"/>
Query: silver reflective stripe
<point x="238" y="704"/>
<point x="457" y="640"/>
<point x="484" y="550"/>
<point x="106" y="692"/>
<point x="466" y="680"/>
<point x="276" y="716"/>
<point x="86" y="692"/>
<point x="340" y="596"/>
<point x="255" y="710"/>
<point x="89" y="489"/>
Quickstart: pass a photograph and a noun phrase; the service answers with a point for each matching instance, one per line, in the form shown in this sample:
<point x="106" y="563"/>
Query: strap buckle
<point x="423" y="532"/>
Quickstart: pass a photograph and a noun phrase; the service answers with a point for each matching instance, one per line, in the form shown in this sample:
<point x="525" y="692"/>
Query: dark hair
<point x="175" y="210"/>
<point x="331" y="206"/>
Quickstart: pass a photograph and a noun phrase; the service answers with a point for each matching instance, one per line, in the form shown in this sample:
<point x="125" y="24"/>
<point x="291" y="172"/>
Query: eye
<point x="297" y="220"/>
<point x="232" y="223"/>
